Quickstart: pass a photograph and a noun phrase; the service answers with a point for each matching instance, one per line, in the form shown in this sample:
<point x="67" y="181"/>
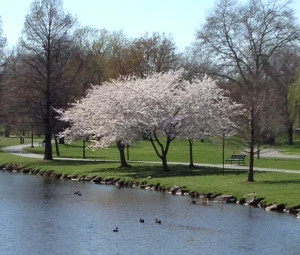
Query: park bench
<point x="240" y="159"/>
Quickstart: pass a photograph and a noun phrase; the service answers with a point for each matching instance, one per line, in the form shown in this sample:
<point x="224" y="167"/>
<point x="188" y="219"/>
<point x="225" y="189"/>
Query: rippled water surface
<point x="43" y="216"/>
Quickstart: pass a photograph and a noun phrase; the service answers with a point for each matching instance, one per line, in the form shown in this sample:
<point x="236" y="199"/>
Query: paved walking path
<point x="269" y="153"/>
<point x="19" y="151"/>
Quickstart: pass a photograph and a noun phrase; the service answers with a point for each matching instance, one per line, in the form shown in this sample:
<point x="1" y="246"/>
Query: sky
<point x="179" y="18"/>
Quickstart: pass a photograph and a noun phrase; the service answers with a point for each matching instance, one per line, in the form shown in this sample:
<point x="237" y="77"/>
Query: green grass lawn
<point x="204" y="152"/>
<point x="290" y="149"/>
<point x="273" y="188"/>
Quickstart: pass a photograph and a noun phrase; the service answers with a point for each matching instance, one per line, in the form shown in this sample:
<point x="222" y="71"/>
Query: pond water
<point x="43" y="216"/>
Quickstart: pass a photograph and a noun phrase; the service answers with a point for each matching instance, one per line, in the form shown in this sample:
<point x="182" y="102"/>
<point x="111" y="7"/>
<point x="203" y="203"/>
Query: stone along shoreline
<point x="195" y="198"/>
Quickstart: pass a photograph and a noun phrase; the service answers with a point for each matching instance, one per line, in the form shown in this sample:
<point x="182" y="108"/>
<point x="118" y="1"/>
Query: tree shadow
<point x="155" y="171"/>
<point x="280" y="182"/>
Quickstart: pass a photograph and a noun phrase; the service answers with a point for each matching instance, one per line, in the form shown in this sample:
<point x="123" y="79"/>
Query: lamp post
<point x="31" y="133"/>
<point x="223" y="150"/>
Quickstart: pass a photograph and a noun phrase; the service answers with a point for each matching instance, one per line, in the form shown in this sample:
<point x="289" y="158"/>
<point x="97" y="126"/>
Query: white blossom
<point x="161" y="105"/>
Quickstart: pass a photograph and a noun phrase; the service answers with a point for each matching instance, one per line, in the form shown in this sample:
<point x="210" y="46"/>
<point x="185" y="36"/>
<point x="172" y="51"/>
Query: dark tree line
<point x="3" y="65"/>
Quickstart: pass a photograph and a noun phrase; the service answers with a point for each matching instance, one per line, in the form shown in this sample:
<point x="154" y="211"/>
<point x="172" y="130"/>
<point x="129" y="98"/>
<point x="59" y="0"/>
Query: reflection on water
<point x="44" y="216"/>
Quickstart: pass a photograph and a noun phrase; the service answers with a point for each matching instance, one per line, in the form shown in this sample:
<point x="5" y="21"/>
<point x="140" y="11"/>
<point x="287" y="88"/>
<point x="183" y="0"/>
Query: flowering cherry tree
<point x="209" y="112"/>
<point x="101" y="116"/>
<point x="162" y="106"/>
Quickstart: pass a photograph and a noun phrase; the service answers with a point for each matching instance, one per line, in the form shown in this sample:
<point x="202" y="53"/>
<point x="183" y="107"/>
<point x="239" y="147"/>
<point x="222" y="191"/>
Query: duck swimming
<point x="157" y="221"/>
<point x="77" y="193"/>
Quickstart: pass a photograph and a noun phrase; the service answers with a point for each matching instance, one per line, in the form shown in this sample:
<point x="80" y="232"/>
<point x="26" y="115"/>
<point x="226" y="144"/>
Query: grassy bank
<point x="273" y="188"/>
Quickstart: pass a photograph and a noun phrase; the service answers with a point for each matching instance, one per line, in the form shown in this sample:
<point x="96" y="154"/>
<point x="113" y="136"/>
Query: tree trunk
<point x="48" y="147"/>
<point x="6" y="132"/>
<point x="164" y="163"/>
<point x="290" y="133"/>
<point x="56" y="146"/>
<point x="164" y="150"/>
<point x="191" y="153"/>
<point x="252" y="144"/>
<point x="251" y="165"/>
<point x="61" y="140"/>
<point x="121" y="148"/>
<point x="127" y="150"/>
<point x="48" y="131"/>
<point x="48" y="104"/>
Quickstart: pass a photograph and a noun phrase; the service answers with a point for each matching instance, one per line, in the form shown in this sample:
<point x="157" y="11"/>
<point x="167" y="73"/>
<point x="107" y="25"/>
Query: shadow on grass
<point x="280" y="182"/>
<point x="69" y="162"/>
<point x="155" y="171"/>
<point x="106" y="168"/>
<point x="72" y="145"/>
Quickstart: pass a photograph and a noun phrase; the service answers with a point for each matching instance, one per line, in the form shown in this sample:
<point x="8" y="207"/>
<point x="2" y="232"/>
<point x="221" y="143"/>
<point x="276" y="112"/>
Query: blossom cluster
<point x="163" y="104"/>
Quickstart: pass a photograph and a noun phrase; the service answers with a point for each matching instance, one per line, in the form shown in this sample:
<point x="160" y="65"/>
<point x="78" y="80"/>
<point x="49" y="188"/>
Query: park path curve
<point x="19" y="151"/>
<point x="270" y="153"/>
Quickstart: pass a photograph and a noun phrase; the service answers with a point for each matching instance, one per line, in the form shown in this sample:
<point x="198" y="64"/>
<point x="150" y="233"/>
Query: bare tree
<point x="47" y="61"/>
<point x="154" y="53"/>
<point x="12" y="110"/>
<point x="3" y="62"/>
<point x="106" y="54"/>
<point x="241" y="39"/>
<point x="111" y="54"/>
<point x="284" y="66"/>
<point x="194" y="62"/>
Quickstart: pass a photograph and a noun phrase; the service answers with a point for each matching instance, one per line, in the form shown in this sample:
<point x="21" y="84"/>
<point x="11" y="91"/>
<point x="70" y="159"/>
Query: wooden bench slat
<point x="237" y="158"/>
